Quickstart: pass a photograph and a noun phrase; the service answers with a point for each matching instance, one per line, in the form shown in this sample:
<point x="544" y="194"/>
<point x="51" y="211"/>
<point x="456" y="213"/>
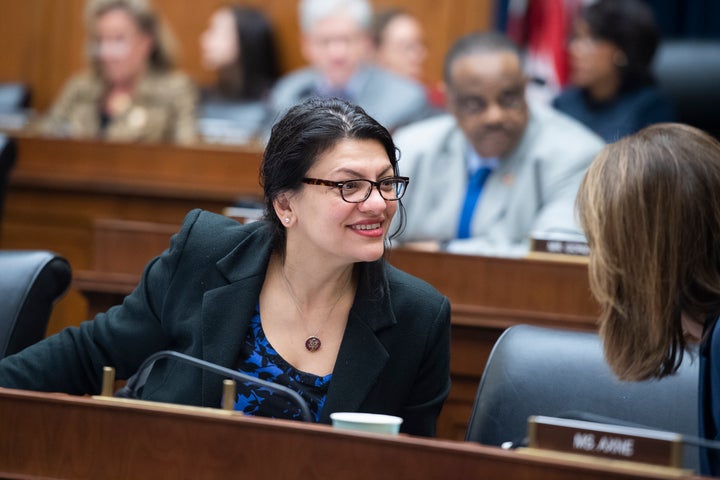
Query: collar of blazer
<point x="227" y="309"/>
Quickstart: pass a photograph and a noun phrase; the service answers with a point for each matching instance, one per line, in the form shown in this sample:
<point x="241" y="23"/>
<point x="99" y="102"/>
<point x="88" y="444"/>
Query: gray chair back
<point x="688" y="71"/>
<point x="31" y="281"/>
<point x="14" y="96"/>
<point x="561" y="373"/>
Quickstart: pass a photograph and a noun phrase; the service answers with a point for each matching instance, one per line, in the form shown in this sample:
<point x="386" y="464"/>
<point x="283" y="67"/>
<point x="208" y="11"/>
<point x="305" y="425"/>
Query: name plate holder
<point x="569" y="247"/>
<point x="628" y="444"/>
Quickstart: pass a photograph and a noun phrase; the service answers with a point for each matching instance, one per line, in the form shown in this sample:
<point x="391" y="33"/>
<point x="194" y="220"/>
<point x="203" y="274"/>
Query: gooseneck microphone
<point x="134" y="383"/>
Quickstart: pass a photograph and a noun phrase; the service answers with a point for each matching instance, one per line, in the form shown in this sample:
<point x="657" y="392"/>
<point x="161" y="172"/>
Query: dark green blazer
<point x="198" y="297"/>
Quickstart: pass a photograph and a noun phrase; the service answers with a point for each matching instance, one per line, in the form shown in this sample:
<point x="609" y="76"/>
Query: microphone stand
<point x="138" y="380"/>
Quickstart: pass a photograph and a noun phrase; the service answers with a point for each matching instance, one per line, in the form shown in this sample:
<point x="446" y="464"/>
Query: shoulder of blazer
<point x="219" y="232"/>
<point x="429" y="137"/>
<point x="84" y="86"/>
<point x="386" y="81"/>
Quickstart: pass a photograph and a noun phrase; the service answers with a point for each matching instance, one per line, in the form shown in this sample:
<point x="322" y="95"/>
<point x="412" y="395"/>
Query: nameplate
<point x="608" y="441"/>
<point x="560" y="244"/>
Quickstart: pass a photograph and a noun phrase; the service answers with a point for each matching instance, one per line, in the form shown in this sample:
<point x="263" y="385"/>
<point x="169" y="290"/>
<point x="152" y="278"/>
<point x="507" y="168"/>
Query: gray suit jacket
<point x="533" y="189"/>
<point x="198" y="298"/>
<point x="388" y="98"/>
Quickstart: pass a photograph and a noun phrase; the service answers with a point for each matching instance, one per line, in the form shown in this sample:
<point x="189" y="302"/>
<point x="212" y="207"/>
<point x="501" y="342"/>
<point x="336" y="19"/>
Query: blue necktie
<point x="474" y="188"/>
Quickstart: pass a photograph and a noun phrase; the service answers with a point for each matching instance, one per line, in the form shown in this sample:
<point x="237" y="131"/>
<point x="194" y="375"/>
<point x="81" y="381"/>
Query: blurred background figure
<point x="399" y="43"/>
<point x="611" y="55"/>
<point x="239" y="46"/>
<point x="337" y="46"/>
<point x="496" y="169"/>
<point x="131" y="92"/>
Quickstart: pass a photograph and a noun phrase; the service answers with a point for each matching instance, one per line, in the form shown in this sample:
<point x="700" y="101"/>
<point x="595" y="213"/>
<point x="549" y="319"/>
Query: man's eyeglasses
<point x="512" y="99"/>
<point x="358" y="190"/>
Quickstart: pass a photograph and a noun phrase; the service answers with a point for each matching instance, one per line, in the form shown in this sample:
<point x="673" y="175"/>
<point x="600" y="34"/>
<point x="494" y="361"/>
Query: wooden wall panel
<point x="43" y="39"/>
<point x="17" y="34"/>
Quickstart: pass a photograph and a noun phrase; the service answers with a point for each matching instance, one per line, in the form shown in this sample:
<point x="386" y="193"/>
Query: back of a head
<point x="631" y="26"/>
<point x="258" y="57"/>
<point x="477" y="42"/>
<point x="650" y="207"/>
<point x="311" y="11"/>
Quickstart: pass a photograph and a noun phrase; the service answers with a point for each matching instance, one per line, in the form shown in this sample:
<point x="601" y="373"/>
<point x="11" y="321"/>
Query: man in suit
<point x="487" y="176"/>
<point x="336" y="43"/>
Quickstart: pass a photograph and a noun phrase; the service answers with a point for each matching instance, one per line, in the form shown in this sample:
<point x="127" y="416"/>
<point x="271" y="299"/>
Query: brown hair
<point x="164" y="50"/>
<point x="650" y="207"/>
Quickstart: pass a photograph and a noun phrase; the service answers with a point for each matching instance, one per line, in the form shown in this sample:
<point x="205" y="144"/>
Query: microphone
<point x="134" y="383"/>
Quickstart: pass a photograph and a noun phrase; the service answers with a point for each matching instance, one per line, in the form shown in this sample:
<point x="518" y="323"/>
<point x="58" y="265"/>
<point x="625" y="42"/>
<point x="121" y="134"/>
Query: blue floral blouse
<point x="259" y="359"/>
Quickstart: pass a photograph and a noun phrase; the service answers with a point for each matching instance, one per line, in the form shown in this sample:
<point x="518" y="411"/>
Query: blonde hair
<point x="164" y="52"/>
<point x="650" y="207"/>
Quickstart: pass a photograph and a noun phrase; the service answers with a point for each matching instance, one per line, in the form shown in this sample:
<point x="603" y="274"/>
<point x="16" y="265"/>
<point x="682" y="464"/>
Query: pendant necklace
<point x="312" y="342"/>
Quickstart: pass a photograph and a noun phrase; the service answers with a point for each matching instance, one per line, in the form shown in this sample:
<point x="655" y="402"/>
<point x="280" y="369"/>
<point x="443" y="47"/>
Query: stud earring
<point x="287" y="220"/>
<point x="620" y="59"/>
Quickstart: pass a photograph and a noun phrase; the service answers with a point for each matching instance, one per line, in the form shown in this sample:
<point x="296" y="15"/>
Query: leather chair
<point x="31" y="281"/>
<point x="14" y="96"/>
<point x="8" y="153"/>
<point x="561" y="373"/>
<point x="688" y="71"/>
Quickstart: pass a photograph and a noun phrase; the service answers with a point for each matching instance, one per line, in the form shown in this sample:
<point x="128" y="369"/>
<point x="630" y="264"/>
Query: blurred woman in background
<point x="239" y="46"/>
<point x="131" y="93"/>
<point x="611" y="55"/>
<point x="399" y="43"/>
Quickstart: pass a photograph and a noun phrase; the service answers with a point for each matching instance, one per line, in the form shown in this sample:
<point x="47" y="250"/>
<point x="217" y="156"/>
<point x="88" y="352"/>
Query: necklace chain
<point x="312" y="343"/>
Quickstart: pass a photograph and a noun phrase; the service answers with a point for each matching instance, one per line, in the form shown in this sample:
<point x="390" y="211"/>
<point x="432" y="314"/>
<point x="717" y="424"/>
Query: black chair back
<point x="688" y="71"/>
<point x="31" y="281"/>
<point x="8" y="153"/>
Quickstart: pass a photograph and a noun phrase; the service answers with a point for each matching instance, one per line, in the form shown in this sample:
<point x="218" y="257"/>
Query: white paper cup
<point x="366" y="422"/>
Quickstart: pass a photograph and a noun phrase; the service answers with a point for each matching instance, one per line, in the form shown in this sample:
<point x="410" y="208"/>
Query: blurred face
<point x="591" y="59"/>
<point x="336" y="46"/>
<point x="122" y="50"/>
<point x="487" y="97"/>
<point x="402" y="49"/>
<point x="327" y="227"/>
<point x="219" y="44"/>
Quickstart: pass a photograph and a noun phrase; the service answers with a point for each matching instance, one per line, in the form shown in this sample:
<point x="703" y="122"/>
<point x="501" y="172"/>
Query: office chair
<point x="562" y="373"/>
<point x="8" y="152"/>
<point x="14" y="96"/>
<point x="31" y="281"/>
<point x="688" y="72"/>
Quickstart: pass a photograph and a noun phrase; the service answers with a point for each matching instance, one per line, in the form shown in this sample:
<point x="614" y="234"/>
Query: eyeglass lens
<point x="359" y="190"/>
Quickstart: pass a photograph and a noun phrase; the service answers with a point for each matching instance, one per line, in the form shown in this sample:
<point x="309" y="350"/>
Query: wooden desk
<point x="487" y="295"/>
<point x="59" y="187"/>
<point x="58" y="436"/>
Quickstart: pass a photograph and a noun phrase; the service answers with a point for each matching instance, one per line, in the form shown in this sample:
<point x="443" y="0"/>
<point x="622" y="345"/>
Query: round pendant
<point x="313" y="343"/>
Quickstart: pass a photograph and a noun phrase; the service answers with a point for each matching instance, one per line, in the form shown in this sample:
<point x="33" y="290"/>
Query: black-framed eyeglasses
<point x="511" y="99"/>
<point x="358" y="190"/>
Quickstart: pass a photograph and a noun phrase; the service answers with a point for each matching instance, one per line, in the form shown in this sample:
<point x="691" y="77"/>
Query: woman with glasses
<point x="131" y="92"/>
<point x="303" y="298"/>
